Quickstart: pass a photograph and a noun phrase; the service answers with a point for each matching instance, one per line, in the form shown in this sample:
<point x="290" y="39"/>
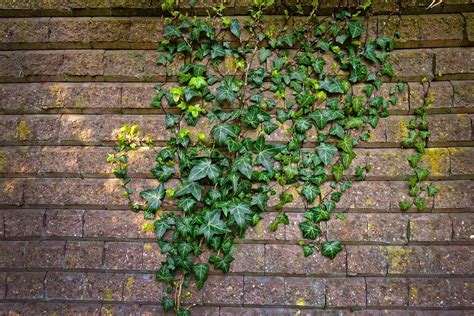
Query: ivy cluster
<point x="241" y="84"/>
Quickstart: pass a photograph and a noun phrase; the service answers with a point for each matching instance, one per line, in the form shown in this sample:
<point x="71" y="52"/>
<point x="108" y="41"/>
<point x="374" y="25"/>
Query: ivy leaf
<point x="244" y="165"/>
<point x="222" y="132"/>
<point x="204" y="168"/>
<point x="187" y="204"/>
<point x="302" y="125"/>
<point x="217" y="51"/>
<point x="154" y="197"/>
<point x="172" y="31"/>
<point x="421" y="173"/>
<point x="192" y="188"/>
<point x="337" y="130"/>
<point x="326" y="152"/>
<point x="167" y="303"/>
<point x="404" y="206"/>
<point x="354" y="122"/>
<point x="419" y="203"/>
<point x="201" y="271"/>
<point x="432" y="190"/>
<point x="164" y="274"/>
<point x="221" y="263"/>
<point x="225" y="93"/>
<point x="235" y="28"/>
<point x="338" y="171"/>
<point x="240" y="213"/>
<point x="331" y="248"/>
<point x="212" y="225"/>
<point x="414" y="160"/>
<point x="265" y="153"/>
<point x="355" y="28"/>
<point x="310" y="192"/>
<point x="346" y="144"/>
<point x="264" y="54"/>
<point x="161" y="226"/>
<point x="259" y="200"/>
<point x="309" y="230"/>
<point x="320" y="117"/>
<point x="171" y="120"/>
<point x="307" y="250"/>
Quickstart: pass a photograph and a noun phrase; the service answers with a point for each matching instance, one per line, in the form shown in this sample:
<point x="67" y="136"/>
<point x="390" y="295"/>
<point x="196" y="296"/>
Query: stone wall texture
<point x="73" y="71"/>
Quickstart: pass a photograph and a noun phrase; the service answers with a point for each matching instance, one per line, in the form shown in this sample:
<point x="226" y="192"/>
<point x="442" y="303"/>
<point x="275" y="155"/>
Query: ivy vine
<point x="241" y="84"/>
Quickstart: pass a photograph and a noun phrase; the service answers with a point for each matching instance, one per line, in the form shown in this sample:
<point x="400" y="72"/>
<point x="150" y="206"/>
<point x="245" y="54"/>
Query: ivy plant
<point x="261" y="117"/>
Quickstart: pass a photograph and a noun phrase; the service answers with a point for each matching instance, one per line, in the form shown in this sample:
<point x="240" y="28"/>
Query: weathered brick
<point x="387" y="228"/>
<point x="49" y="308"/>
<point x="12" y="254"/>
<point x="387" y="292"/>
<point x="264" y="290"/>
<point x="469" y="17"/>
<point x="430" y="227"/>
<point x="84" y="254"/>
<point x="455" y="62"/>
<point x="64" y="285"/>
<point x="152" y="256"/>
<point x="296" y="263"/>
<point x="71" y="31"/>
<point x="3" y="285"/>
<point x="407" y="26"/>
<point x="135" y="65"/>
<point x="353" y="228"/>
<point x="13" y="309"/>
<point x="23" y="223"/>
<point x="461" y="160"/>
<point x="463" y="94"/>
<point x="223" y="290"/>
<point x="412" y="64"/>
<point x="123" y="255"/>
<point x="454" y="195"/>
<point x="304" y="292"/>
<point x="12" y="191"/>
<point x="45" y="254"/>
<point x="452" y="260"/>
<point x="463" y="226"/>
<point x="23" y="31"/>
<point x="357" y="263"/>
<point x="25" y="285"/>
<point x="120" y="309"/>
<point x="80" y="63"/>
<point x="2" y="226"/>
<point x="249" y="258"/>
<point x="64" y="223"/>
<point x="142" y="288"/>
<point x="116" y="224"/>
<point x="440" y="93"/>
<point x="109" y="32"/>
<point x="15" y="128"/>
<point x="32" y="63"/>
<point x="261" y="231"/>
<point x="441" y="30"/>
<point x="145" y="31"/>
<point x="104" y="286"/>
<point x="345" y="292"/>
<point x="429" y="292"/>
<point x="369" y="195"/>
<point x="461" y="291"/>
<point x="408" y="260"/>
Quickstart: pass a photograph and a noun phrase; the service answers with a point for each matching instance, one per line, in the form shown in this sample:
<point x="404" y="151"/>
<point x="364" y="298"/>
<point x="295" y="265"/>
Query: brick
<point x="12" y="254"/>
<point x="358" y="196"/>
<point x="461" y="160"/>
<point x="142" y="288"/>
<point x="84" y="254"/>
<point x="261" y="230"/>
<point x="23" y="223"/>
<point x="463" y="226"/>
<point x="120" y="309"/>
<point x="402" y="105"/>
<point x="463" y="94"/>
<point x="64" y="223"/>
<point x="104" y="286"/>
<point x="454" y="195"/>
<point x="345" y="292"/>
<point x="469" y="17"/>
<point x="25" y="285"/>
<point x="152" y="310"/>
<point x="146" y="30"/>
<point x="33" y="64"/>
<point x="64" y="285"/>
<point x="67" y="30"/>
<point x="80" y="63"/>
<point x="109" y="32"/>
<point x="264" y="290"/>
<point x="249" y="258"/>
<point x="387" y="228"/>
<point x="25" y="31"/>
<point x="10" y="65"/>
<point x="3" y="285"/>
<point x="304" y="292"/>
<point x="115" y="224"/>
<point x="223" y="290"/>
<point x="461" y="292"/>
<point x="45" y="254"/>
<point x="2" y="226"/>
<point x="12" y="191"/>
<point x="429" y="293"/>
<point x="264" y="311"/>
<point x="452" y="260"/>
<point x="357" y="263"/>
<point x="455" y="62"/>
<point x="440" y="93"/>
<point x="13" y="309"/>
<point x="123" y="255"/>
<point x="407" y="26"/>
<point x="408" y="260"/>
<point x="430" y="227"/>
<point x="137" y="95"/>
<point x="15" y="128"/>
<point x="135" y="65"/>
<point x="152" y="256"/>
<point x="48" y="308"/>
<point x="296" y="263"/>
<point x="441" y="30"/>
<point x="387" y="292"/>
<point x="353" y="228"/>
<point x="412" y="65"/>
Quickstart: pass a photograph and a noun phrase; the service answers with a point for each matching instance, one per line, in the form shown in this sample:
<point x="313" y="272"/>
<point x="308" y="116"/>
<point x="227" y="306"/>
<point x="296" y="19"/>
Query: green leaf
<point x="201" y="271"/>
<point x="307" y="250"/>
<point x="302" y="125"/>
<point x="161" y="226"/>
<point x="355" y="28"/>
<point x="225" y="93"/>
<point x="309" y="230"/>
<point x="235" y="28"/>
<point x="404" y="206"/>
<point x="154" y="197"/>
<point x="217" y="51"/>
<point x="331" y="248"/>
<point x="264" y="54"/>
<point x="346" y="144"/>
<point x="310" y="192"/>
<point x="321" y="117"/>
<point x="171" y="31"/>
<point x="244" y="165"/>
<point x="419" y="203"/>
<point x="432" y="190"/>
<point x="320" y="215"/>
<point x="204" y="168"/>
<point x="421" y="173"/>
<point x="212" y="225"/>
<point x="192" y="188"/>
<point x="326" y="152"/>
<point x="164" y="274"/>
<point x="167" y="303"/>
<point x="240" y="212"/>
<point x="222" y="132"/>
<point x="354" y="122"/>
<point x="338" y="171"/>
<point x="337" y="130"/>
<point x="414" y="160"/>
<point x="221" y="263"/>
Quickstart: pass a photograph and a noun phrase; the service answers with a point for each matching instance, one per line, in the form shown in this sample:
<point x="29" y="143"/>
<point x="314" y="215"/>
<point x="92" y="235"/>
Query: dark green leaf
<point x="331" y="248"/>
<point x="154" y="197"/>
<point x="201" y="271"/>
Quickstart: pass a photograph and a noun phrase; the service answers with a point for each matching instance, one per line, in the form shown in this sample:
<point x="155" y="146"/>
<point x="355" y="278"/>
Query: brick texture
<point x="70" y="246"/>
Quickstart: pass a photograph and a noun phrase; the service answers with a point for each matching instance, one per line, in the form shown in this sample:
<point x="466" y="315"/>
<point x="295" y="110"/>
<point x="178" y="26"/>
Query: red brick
<point x="352" y="228"/>
<point x="264" y="290"/>
<point x="440" y="93"/>
<point x="249" y="258"/>
<point x="452" y="260"/>
<point x="408" y="260"/>
<point x="430" y="227"/>
<point x="13" y="309"/>
<point x="429" y="293"/>
<point x="3" y="285"/>
<point x="345" y="292"/>
<point x="120" y="309"/>
<point x="296" y="263"/>
<point x="387" y="292"/>
<point x="223" y="290"/>
<point x="412" y="64"/>
<point x="64" y="223"/>
<point x="70" y="31"/>
<point x="455" y="63"/>
<point x="16" y="128"/>
<point x="123" y="255"/>
<point x="152" y="256"/>
<point x="358" y="263"/>
<point x="109" y="32"/>
<point x="463" y="94"/>
<point x="23" y="223"/>
<point x="142" y="288"/>
<point x="463" y="225"/>
<point x="25" y="285"/>
<point x="33" y="64"/>
<point x="48" y="308"/>
<point x="304" y="292"/>
<point x="387" y="228"/>
<point x="64" y="285"/>
<point x="104" y="286"/>
<point x="261" y="230"/>
<point x="23" y="31"/>
<point x="369" y="195"/>
<point x="461" y="160"/>
<point x="12" y="254"/>
<point x="12" y="191"/>
<point x="454" y="195"/>
<point x="45" y="254"/>
<point x="84" y="254"/>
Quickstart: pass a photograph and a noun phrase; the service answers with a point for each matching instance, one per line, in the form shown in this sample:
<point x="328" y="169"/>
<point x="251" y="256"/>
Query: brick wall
<point x="73" y="71"/>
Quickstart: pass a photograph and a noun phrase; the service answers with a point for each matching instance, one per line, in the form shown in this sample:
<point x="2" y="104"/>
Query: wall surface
<point x="73" y="71"/>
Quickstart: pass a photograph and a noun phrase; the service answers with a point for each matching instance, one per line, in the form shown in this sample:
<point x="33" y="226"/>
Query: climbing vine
<point x="260" y="116"/>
